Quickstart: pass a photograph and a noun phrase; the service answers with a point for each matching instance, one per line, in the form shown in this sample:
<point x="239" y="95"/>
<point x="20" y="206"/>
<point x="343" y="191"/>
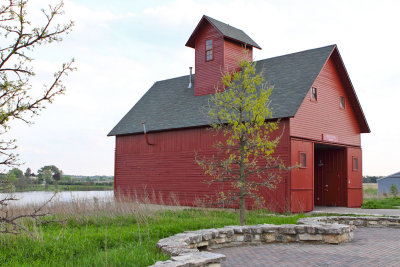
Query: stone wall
<point x="359" y="221"/>
<point x="189" y="249"/>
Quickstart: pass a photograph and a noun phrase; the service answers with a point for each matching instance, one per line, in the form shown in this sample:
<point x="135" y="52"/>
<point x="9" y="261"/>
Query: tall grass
<point x="109" y="233"/>
<point x="370" y="190"/>
<point x="373" y="201"/>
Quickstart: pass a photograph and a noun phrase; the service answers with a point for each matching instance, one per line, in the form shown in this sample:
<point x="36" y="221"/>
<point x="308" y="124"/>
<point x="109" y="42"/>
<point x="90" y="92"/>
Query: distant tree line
<point x="87" y="180"/>
<point x="371" y="179"/>
<point x="50" y="175"/>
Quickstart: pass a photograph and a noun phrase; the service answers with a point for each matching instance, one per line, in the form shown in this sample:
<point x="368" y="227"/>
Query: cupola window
<point x="209" y="52"/>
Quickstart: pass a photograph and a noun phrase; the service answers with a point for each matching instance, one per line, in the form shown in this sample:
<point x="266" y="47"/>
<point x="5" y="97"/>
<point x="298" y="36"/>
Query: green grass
<point x="371" y="191"/>
<point x="382" y="203"/>
<point x="116" y="241"/>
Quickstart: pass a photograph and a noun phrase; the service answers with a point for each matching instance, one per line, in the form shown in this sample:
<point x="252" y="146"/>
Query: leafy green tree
<point x="20" y="181"/>
<point x="20" y="99"/>
<point x="10" y="177"/>
<point x="47" y="176"/>
<point x="28" y="172"/>
<point x="5" y="186"/>
<point x="394" y="190"/>
<point x="245" y="158"/>
<point x="50" y="174"/>
<point x="17" y="172"/>
<point x="370" y="179"/>
<point x="23" y="182"/>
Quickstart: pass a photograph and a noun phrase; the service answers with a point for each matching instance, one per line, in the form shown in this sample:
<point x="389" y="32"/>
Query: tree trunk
<point x="242" y="206"/>
<point x="242" y="193"/>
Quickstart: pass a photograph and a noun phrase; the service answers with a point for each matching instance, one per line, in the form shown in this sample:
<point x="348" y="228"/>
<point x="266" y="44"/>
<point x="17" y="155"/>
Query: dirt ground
<point x="370" y="185"/>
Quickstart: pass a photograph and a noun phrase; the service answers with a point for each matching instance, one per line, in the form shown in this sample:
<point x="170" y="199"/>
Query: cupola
<point x="218" y="48"/>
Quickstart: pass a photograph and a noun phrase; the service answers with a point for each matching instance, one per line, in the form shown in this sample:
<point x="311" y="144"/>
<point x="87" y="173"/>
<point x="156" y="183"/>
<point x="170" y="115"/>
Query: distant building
<point x="385" y="183"/>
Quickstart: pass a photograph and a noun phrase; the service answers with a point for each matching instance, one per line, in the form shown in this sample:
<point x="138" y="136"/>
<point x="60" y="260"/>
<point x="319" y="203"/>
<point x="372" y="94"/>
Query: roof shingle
<point x="169" y="104"/>
<point x="226" y="30"/>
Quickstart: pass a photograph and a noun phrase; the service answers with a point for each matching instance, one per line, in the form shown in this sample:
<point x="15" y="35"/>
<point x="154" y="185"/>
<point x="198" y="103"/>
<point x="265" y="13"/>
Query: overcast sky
<point x="122" y="47"/>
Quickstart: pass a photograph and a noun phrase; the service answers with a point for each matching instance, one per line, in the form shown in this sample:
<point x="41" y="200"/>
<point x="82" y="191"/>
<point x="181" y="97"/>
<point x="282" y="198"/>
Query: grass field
<point x="382" y="203"/>
<point x="109" y="233"/>
<point x="113" y="234"/>
<point x="373" y="201"/>
<point x="370" y="190"/>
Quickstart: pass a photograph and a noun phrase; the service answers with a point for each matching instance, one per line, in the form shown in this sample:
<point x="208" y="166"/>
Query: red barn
<point x="320" y="116"/>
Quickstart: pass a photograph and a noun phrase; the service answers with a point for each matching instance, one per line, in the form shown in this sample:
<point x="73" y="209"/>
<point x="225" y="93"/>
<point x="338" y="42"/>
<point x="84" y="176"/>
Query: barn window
<point x="303" y="160"/>
<point x="209" y="53"/>
<point x="355" y="164"/>
<point x="314" y="93"/>
<point x="342" y="102"/>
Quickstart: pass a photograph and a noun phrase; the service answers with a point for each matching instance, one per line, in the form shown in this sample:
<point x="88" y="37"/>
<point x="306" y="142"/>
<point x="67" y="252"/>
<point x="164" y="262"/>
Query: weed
<point x="110" y="233"/>
<point x="394" y="190"/>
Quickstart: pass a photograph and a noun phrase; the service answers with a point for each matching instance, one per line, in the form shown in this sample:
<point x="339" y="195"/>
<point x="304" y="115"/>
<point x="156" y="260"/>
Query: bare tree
<point x="19" y="100"/>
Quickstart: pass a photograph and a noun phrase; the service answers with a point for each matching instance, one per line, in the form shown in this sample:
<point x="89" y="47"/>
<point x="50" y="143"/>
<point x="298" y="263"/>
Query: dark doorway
<point x="330" y="188"/>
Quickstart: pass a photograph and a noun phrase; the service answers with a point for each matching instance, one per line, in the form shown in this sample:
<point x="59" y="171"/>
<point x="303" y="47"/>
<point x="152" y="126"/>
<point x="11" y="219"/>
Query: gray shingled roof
<point x="232" y="32"/>
<point x="226" y="30"/>
<point x="169" y="104"/>
<point x="395" y="175"/>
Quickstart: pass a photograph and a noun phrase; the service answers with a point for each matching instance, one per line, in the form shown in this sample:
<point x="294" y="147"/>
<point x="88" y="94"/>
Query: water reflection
<point x="39" y="197"/>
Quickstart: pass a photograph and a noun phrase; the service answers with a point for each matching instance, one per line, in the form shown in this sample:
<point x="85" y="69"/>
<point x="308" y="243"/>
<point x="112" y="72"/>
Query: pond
<point x="39" y="197"/>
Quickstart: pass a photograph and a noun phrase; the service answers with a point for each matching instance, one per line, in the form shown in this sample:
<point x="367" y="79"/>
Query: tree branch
<point x="17" y="99"/>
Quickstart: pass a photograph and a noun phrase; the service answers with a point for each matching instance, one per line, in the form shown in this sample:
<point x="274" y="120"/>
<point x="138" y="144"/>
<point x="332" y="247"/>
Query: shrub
<point x="370" y="204"/>
<point x="394" y="190"/>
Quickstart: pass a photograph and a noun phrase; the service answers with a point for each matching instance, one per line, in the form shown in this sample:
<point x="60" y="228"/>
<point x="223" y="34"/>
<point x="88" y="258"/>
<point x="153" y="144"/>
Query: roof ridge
<point x="226" y="30"/>
<point x="333" y="45"/>
<point x="298" y="52"/>
<point x="223" y="23"/>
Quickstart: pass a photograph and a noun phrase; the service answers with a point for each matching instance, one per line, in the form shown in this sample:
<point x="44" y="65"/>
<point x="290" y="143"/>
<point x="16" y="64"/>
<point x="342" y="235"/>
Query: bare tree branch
<point x="14" y="224"/>
<point x="17" y="98"/>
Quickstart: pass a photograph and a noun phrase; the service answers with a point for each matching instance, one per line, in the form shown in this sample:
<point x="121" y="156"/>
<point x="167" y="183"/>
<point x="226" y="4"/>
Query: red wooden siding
<point x="278" y="199"/>
<point x="302" y="179"/>
<point x="167" y="172"/>
<point x="354" y="183"/>
<point x="226" y="55"/>
<point x="324" y="116"/>
<point x="233" y="53"/>
<point x="208" y="73"/>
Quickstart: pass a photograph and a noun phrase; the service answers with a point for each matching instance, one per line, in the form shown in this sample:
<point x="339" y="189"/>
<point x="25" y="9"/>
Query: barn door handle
<point x="326" y="185"/>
